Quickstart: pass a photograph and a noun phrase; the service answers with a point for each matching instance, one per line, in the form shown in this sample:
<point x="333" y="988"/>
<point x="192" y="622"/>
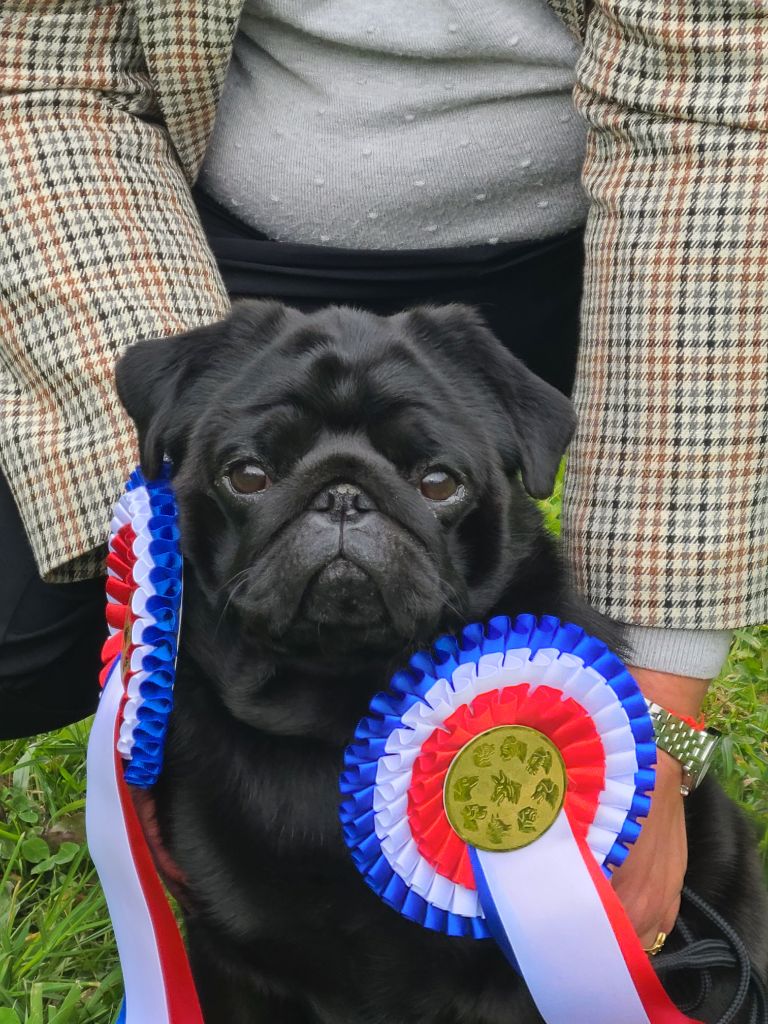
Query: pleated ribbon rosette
<point x="491" y="791"/>
<point x="144" y="587"/>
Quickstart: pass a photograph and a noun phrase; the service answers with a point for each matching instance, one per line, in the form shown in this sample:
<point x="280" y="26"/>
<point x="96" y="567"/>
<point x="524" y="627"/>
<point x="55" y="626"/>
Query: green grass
<point x="737" y="704"/>
<point x="58" y="963"/>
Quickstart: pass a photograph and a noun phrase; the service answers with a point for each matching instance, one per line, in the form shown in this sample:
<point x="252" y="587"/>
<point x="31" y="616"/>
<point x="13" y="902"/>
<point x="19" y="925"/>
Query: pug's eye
<point x="247" y="478"/>
<point x="437" y="485"/>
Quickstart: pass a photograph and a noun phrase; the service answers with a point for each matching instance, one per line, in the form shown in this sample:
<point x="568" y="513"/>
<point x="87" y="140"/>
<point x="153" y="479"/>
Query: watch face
<point x="706" y="758"/>
<point x="704" y="767"/>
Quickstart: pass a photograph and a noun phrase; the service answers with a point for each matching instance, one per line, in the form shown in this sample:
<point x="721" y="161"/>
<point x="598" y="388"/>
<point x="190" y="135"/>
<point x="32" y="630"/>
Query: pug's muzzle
<point x="344" y="591"/>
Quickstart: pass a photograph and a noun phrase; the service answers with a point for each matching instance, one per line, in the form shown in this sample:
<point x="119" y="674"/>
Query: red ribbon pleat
<point x="564" y="721"/>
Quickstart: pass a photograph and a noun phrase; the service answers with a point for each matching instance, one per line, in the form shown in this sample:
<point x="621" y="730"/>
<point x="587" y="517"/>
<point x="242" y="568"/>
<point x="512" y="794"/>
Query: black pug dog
<point x="350" y="487"/>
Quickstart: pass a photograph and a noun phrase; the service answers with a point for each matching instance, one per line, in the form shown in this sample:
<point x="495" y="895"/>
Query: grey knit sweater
<point x="400" y="124"/>
<point x="412" y="124"/>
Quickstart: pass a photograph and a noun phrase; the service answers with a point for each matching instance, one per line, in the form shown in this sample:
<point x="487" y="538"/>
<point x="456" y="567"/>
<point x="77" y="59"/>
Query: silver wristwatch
<point x="693" y="748"/>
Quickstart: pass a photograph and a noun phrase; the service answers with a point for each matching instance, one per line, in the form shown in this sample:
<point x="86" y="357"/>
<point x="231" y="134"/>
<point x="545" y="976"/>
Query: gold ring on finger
<point x="658" y="944"/>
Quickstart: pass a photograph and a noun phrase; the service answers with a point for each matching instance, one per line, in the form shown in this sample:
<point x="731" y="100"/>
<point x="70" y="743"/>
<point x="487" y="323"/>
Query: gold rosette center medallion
<point x="505" y="788"/>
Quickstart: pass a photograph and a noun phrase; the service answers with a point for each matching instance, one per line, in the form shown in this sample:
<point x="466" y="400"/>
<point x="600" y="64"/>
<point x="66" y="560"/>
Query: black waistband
<point x="528" y="294"/>
<point x="252" y="263"/>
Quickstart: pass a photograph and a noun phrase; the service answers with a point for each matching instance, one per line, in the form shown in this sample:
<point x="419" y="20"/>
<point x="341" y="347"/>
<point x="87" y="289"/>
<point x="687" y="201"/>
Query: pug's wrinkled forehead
<point x="347" y="376"/>
<point x="426" y="385"/>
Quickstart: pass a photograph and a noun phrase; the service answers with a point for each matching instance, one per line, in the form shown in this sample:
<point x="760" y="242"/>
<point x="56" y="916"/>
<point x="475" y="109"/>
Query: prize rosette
<point x="492" y="790"/>
<point x="144" y="581"/>
<point x="144" y="589"/>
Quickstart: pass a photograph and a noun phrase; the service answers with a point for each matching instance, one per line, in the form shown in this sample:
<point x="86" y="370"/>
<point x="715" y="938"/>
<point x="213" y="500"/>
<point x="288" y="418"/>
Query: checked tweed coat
<point x="106" y="107"/>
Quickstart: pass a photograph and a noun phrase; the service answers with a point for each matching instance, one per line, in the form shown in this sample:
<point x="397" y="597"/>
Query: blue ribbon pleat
<point x="165" y="575"/>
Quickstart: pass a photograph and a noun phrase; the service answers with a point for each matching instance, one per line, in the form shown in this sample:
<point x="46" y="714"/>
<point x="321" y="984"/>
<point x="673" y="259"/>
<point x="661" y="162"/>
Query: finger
<point x="647" y="939"/>
<point x="669" y="919"/>
<point x="666" y="924"/>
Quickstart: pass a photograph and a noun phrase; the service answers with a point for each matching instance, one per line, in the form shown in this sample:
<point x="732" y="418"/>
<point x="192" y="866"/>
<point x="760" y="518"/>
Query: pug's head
<point x="348" y="484"/>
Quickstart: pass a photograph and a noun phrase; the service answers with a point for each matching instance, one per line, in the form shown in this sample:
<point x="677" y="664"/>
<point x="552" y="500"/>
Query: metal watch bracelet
<point x="693" y="748"/>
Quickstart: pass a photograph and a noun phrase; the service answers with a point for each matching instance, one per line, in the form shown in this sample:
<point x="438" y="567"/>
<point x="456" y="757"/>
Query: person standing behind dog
<point x="447" y="132"/>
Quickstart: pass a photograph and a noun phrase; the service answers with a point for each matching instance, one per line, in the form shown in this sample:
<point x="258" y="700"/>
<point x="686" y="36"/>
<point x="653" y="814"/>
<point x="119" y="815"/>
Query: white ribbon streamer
<point x="575" y="970"/>
<point x="111" y="852"/>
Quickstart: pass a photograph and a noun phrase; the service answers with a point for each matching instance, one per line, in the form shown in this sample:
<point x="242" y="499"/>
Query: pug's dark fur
<point x="299" y="602"/>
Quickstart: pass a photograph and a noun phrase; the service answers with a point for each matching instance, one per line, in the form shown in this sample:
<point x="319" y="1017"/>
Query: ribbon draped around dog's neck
<point x="492" y="790"/>
<point x="488" y="794"/>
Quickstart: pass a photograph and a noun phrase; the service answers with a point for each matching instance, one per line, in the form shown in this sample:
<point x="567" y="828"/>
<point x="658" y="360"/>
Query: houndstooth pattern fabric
<point x="100" y="246"/>
<point x="188" y="45"/>
<point x="105" y="113"/>
<point x="573" y="13"/>
<point x="666" y="497"/>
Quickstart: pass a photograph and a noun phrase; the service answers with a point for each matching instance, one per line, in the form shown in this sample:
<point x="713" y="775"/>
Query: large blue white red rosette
<point x="491" y="791"/>
<point x="144" y="587"/>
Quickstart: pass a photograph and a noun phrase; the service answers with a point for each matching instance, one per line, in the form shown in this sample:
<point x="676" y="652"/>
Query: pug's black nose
<point x="342" y="500"/>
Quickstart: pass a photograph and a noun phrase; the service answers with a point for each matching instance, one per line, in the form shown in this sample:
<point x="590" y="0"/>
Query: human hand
<point x="650" y="881"/>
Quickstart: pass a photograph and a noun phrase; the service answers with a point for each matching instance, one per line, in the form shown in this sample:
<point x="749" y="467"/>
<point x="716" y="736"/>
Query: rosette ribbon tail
<point x="581" y="965"/>
<point x="158" y="982"/>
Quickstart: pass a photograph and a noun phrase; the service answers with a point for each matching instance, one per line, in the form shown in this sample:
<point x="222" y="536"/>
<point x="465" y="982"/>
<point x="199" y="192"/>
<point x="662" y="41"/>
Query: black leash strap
<point x="704" y="954"/>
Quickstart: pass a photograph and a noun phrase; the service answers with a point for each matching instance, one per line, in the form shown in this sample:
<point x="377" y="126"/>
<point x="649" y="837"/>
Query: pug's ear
<point x="157" y="379"/>
<point x="542" y="418"/>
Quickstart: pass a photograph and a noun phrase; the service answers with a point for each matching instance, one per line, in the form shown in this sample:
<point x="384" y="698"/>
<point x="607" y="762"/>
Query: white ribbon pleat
<point x="135" y="507"/>
<point x="111" y="852"/>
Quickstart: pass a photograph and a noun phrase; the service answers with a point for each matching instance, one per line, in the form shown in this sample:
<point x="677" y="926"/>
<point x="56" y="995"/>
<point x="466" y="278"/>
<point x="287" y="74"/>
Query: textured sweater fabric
<point x="700" y="653"/>
<point x="396" y="124"/>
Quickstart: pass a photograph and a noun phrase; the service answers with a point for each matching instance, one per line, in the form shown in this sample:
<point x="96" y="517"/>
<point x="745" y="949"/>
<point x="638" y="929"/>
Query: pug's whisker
<point x="458" y="609"/>
<point x="453" y="590"/>
<point x="231" y="580"/>
<point x="452" y="608"/>
<point x="232" y="593"/>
